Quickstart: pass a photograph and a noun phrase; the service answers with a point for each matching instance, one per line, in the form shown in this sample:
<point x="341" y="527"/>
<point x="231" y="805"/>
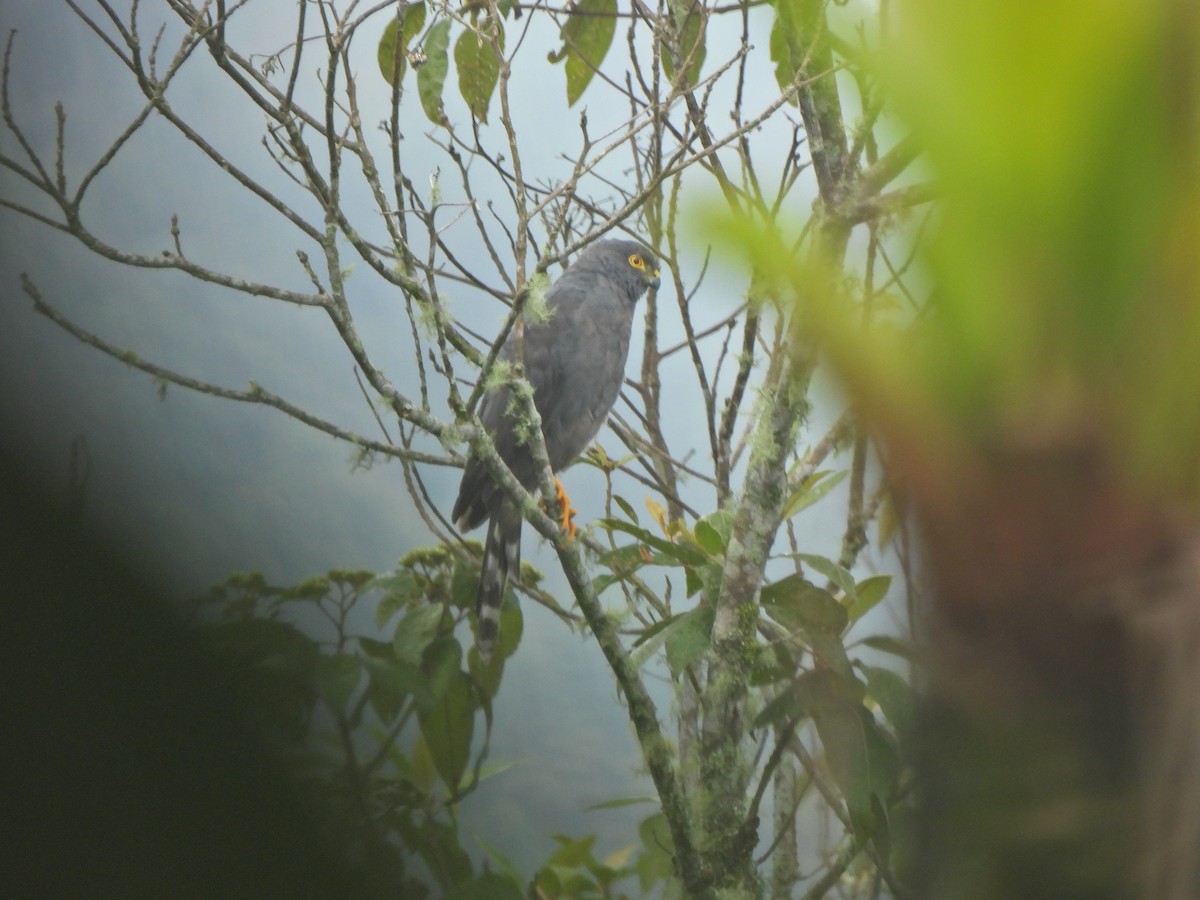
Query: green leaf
<point x="490" y="770"/>
<point x="478" y="67"/>
<point x="829" y="649"/>
<point x="391" y="53"/>
<point x="464" y="586"/>
<point x="502" y="862"/>
<point x="811" y="693"/>
<point x="416" y="630"/>
<point x="650" y="640"/>
<point x="448" y="727"/>
<point x="861" y="759"/>
<point x="399" y="589"/>
<point x="586" y="36"/>
<point x="312" y="589"/>
<point x="437" y="843"/>
<point x="868" y="593"/>
<point x="892" y="645"/>
<point x="620" y="802"/>
<point x="799" y="605"/>
<point x="421" y="769"/>
<point x="336" y="677"/>
<point x="703" y="578"/>
<point x="811" y="489"/>
<point x="689" y="639"/>
<point x="771" y="664"/>
<point x="682" y="554"/>
<point x="709" y="539"/>
<point x="487" y="675"/>
<point x="691" y="40"/>
<point x="831" y="570"/>
<point x="625" y="560"/>
<point x="788" y="42"/>
<point x="381" y="650"/>
<point x="431" y="77"/>
<point x="626" y="507"/>
<point x="512" y="626"/>
<point x="572" y="853"/>
<point x="657" y="861"/>
<point x="894" y="696"/>
<point x="721" y="521"/>
<point x="391" y="683"/>
<point x="440" y="663"/>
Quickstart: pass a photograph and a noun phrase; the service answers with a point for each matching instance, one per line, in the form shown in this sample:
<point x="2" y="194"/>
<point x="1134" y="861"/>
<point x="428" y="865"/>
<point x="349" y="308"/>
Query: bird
<point x="575" y="361"/>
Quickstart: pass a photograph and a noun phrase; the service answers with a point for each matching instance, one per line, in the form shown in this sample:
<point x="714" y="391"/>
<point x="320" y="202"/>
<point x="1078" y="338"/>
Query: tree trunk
<point x="1060" y="726"/>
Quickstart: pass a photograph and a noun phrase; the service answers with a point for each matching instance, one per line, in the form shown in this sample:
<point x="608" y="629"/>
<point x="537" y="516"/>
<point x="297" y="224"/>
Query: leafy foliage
<point x="393" y="796"/>
<point x="322" y="689"/>
<point x="396" y="40"/>
<point x="587" y="35"/>
<point x="477" y="63"/>
<point x="710" y="586"/>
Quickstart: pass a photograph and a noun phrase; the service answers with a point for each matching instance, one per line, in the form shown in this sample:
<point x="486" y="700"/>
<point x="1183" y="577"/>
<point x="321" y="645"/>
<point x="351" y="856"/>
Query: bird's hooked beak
<point x="655" y="281"/>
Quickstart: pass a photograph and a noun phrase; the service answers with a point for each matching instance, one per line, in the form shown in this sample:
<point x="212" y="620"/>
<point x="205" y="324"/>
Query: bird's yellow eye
<point x="636" y="261"/>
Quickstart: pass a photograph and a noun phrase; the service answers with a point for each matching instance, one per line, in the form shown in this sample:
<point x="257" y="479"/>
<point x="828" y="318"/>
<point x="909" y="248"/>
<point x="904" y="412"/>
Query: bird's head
<point x="631" y="262"/>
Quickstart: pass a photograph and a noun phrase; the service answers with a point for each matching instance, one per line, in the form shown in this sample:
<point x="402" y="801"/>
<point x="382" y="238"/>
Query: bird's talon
<point x="567" y="512"/>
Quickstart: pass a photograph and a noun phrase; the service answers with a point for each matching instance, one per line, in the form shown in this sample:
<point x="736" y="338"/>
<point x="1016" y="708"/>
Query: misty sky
<point x="195" y="486"/>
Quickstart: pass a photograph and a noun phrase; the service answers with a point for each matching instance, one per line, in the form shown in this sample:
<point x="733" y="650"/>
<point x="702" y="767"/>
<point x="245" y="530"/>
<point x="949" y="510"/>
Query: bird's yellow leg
<point x="567" y="512"/>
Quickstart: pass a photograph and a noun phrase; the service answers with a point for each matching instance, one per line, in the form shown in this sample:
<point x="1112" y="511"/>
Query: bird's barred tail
<point x="501" y="555"/>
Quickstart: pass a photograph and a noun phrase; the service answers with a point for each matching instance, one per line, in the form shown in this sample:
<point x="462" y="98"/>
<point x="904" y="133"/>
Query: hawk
<point x="575" y="361"/>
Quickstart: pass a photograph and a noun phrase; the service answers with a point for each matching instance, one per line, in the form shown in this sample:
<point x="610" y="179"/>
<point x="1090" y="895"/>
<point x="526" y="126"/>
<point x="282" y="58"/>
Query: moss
<point x="536" y="311"/>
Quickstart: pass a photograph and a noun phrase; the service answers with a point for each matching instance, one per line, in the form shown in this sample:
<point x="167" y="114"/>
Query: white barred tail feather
<point x="501" y="557"/>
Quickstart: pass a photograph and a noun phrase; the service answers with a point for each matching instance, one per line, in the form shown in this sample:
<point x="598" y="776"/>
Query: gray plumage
<point x="575" y="361"/>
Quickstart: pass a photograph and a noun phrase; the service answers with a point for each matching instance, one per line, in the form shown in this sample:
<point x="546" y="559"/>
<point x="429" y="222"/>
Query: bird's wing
<point x="576" y="363"/>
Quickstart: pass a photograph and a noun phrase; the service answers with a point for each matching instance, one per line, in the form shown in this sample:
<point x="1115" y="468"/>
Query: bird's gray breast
<point x="576" y="361"/>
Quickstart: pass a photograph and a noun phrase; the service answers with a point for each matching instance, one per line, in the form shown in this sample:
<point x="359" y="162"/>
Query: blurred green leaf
<point x="799" y="605"/>
<point x="502" y="862"/>
<point x="441" y="662"/>
<point x="812" y="692"/>
<point x="478" y="67"/>
<point x="416" y="630"/>
<point x="399" y="589"/>
<point x="431" y="77"/>
<point x="620" y="803"/>
<point x="421" y="769"/>
<point x="464" y="585"/>
<point x="680" y="554"/>
<point x="689" y="638"/>
<point x="828" y="648"/>
<point x="831" y="570"/>
<point x="626" y="507"/>
<point x="587" y="35"/>
<point x="336" y="678"/>
<point x="447" y="728"/>
<point x="572" y="852"/>
<point x="787" y="44"/>
<point x="811" y="489"/>
<point x="894" y="696"/>
<point x="691" y="19"/>
<point x="863" y="763"/>
<point x="437" y="843"/>
<point x="391" y="683"/>
<point x="867" y="595"/>
<point x="709" y="538"/>
<point x="893" y="645"/>
<point x="656" y="862"/>
<point x="391" y="54"/>
<point x="313" y="588"/>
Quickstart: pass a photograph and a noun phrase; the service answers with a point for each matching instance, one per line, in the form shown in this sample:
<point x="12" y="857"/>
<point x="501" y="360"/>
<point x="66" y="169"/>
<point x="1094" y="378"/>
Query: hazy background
<point x="195" y="487"/>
